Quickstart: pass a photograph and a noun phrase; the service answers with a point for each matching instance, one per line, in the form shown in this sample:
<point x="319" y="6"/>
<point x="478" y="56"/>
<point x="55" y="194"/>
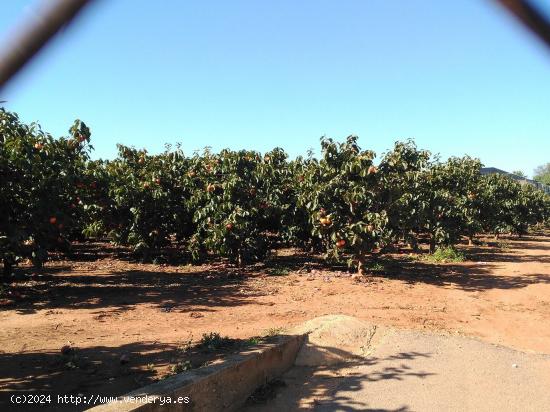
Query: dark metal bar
<point x="31" y="39"/>
<point x="530" y="16"/>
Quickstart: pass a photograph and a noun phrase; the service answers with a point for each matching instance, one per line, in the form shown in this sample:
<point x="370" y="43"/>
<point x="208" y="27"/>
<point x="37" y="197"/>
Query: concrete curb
<point x="221" y="387"/>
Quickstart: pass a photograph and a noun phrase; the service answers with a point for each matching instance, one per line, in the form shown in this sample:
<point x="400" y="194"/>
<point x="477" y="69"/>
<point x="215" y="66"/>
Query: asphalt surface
<point x="413" y="371"/>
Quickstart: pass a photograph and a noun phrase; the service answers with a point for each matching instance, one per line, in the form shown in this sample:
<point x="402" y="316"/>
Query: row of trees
<point x="240" y="204"/>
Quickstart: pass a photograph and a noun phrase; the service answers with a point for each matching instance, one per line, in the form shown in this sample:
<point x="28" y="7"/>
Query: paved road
<point x="412" y="371"/>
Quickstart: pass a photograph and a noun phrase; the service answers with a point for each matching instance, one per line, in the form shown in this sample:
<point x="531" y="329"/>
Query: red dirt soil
<point x="105" y="308"/>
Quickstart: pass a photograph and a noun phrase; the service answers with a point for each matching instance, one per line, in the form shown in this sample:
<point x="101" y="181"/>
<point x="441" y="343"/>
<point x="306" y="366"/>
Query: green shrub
<point x="214" y="341"/>
<point x="446" y="255"/>
<point x="181" y="367"/>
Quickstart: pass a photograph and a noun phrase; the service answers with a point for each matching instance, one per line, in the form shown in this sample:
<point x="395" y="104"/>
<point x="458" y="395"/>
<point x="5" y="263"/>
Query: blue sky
<point x="460" y="77"/>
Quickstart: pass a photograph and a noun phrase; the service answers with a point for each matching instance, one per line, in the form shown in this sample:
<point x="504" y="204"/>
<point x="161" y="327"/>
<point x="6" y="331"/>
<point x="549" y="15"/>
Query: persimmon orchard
<point x="240" y="205"/>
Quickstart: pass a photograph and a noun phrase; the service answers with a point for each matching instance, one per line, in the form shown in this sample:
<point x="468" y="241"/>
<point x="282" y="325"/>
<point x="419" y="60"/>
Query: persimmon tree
<point x="342" y="193"/>
<point x="402" y="172"/>
<point x="508" y="206"/>
<point x="240" y="204"/>
<point x="529" y="208"/>
<point x="38" y="198"/>
<point x="148" y="199"/>
<point x="446" y="196"/>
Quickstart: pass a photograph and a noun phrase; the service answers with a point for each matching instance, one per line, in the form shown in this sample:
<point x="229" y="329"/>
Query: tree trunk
<point x="7" y="270"/>
<point x="412" y="241"/>
<point x="432" y="243"/>
<point x="361" y="264"/>
<point x="240" y="258"/>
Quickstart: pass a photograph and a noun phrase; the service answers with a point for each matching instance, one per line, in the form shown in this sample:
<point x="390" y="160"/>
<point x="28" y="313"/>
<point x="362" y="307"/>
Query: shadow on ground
<point x="469" y="276"/>
<point x="87" y="371"/>
<point x="120" y="290"/>
<point x="107" y="371"/>
<point x="331" y="388"/>
<point x="216" y="284"/>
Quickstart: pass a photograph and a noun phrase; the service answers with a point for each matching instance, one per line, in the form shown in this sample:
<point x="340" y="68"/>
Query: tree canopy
<point x="542" y="174"/>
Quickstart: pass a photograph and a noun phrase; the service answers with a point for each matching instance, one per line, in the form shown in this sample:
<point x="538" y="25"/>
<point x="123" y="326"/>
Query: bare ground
<point x="105" y="307"/>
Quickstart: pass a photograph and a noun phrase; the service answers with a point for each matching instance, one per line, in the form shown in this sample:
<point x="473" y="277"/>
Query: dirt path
<point x="107" y="308"/>
<point x="414" y="371"/>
